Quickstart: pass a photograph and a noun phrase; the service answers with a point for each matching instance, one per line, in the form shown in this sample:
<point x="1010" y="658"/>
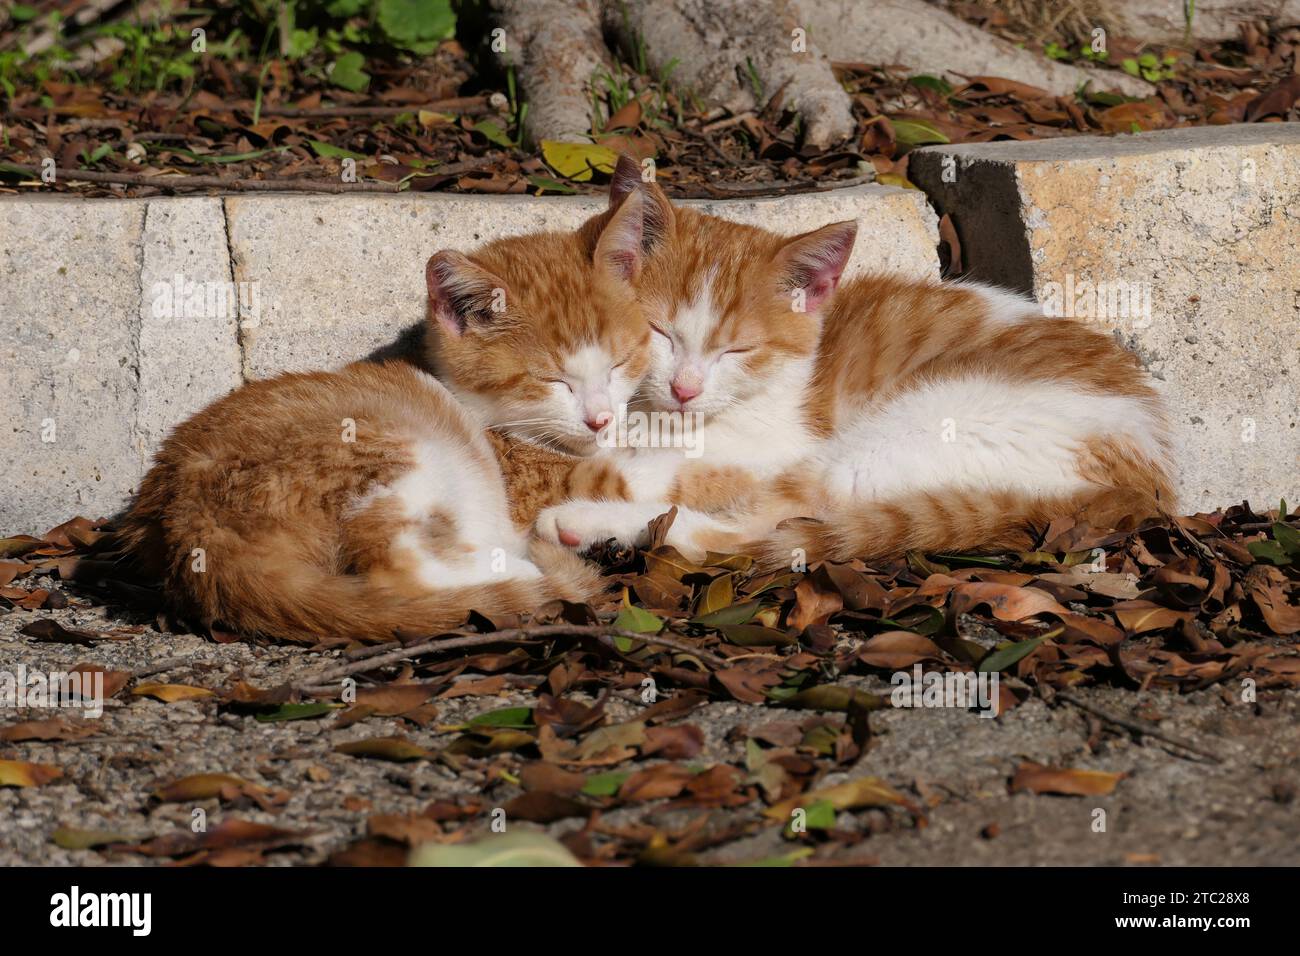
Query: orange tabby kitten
<point x="890" y="415"/>
<point x="356" y="503"/>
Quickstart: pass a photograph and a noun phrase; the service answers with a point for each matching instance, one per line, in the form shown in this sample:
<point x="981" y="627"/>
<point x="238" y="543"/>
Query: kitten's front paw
<point x="587" y="525"/>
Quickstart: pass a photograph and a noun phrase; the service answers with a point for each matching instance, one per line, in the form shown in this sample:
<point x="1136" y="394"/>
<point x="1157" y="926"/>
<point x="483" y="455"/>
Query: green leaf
<point x="821" y="815"/>
<point x="605" y="784"/>
<point x="911" y="132"/>
<point x="546" y="184"/>
<point x="1288" y="537"/>
<point x="494" y="133"/>
<point x="1269" y="551"/>
<point x="834" y="697"/>
<point x="921" y="619"/>
<point x="416" y="24"/>
<point x="296" y="711"/>
<point x="517" y="848"/>
<point x="728" y="616"/>
<point x="638" y="620"/>
<point x="514" y="717"/>
<point x="347" y="71"/>
<point x="925" y="81"/>
<point x="22" y="12"/>
<point x="302" y="42"/>
<point x="227" y="157"/>
<point x="325" y="150"/>
<point x="1102" y="98"/>
<point x="1007" y="654"/>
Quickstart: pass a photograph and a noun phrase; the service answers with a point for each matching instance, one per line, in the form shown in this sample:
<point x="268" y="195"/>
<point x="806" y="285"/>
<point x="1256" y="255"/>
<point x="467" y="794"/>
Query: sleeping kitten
<point x="355" y="503"/>
<point x="734" y="312"/>
<point x="931" y="416"/>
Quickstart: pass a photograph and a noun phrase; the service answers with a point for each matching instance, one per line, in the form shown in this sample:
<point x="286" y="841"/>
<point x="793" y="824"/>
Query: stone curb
<point x="99" y="369"/>
<point x="1198" y="227"/>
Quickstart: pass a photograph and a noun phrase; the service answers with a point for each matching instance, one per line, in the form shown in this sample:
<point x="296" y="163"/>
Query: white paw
<point x="583" y="525"/>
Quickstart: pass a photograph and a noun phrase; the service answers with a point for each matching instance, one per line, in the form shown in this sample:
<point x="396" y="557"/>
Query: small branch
<point x="709" y="142"/>
<point x="1145" y="728"/>
<point x="470" y="105"/>
<point x="730" y="190"/>
<point x="727" y="123"/>
<point x="219" y="182"/>
<point x="159" y="667"/>
<point x="515" y="635"/>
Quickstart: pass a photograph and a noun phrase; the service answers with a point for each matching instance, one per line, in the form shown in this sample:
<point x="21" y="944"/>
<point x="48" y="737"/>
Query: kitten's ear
<point x="463" y="296"/>
<point x="626" y="178"/>
<point x="815" y="261"/>
<point x="655" y="215"/>
<point x="619" y="250"/>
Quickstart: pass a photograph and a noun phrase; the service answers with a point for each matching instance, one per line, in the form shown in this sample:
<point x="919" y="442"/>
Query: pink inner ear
<point x="620" y="246"/>
<point x="624" y="262"/>
<point x="819" y="287"/>
<point x="435" y="277"/>
<point x="819" y="262"/>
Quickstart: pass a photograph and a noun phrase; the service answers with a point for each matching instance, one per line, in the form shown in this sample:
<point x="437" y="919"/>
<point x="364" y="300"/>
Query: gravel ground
<point x="1171" y="809"/>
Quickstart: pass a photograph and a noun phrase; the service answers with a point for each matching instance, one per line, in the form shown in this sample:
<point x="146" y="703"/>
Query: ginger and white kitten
<point x="357" y="503"/>
<point x="735" y="316"/>
<point x="890" y="415"/>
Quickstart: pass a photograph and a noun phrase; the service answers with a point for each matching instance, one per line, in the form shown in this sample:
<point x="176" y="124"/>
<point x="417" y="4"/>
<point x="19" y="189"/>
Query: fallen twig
<point x="218" y="182"/>
<point x="729" y="190"/>
<point x="514" y="635"/>
<point x="459" y="104"/>
<point x="709" y="142"/>
<point x="1143" y="727"/>
<point x="185" y="181"/>
<point x="727" y="122"/>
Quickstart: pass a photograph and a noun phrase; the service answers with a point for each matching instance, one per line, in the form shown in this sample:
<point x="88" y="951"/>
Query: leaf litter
<point x="449" y="120"/>
<point x="1174" y="606"/>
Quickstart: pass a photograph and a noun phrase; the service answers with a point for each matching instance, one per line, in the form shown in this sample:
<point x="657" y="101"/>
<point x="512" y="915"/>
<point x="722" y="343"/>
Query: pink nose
<point x="684" y="393"/>
<point x="599" y="422"/>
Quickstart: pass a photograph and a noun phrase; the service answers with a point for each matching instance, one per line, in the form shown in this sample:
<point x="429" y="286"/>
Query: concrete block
<point x="70" y="300"/>
<point x="189" y="344"/>
<point x="97" y="364"/>
<point x="1203" y="226"/>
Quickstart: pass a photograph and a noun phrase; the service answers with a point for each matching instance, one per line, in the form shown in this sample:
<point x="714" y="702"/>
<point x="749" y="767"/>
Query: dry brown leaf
<point x="171" y="693"/>
<point x="17" y="773"/>
<point x="1069" y="782"/>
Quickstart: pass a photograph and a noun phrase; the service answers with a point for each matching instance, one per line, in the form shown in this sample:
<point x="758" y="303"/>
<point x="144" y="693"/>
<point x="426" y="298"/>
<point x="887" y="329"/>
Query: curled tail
<point x="296" y="598"/>
<point x="948" y="520"/>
